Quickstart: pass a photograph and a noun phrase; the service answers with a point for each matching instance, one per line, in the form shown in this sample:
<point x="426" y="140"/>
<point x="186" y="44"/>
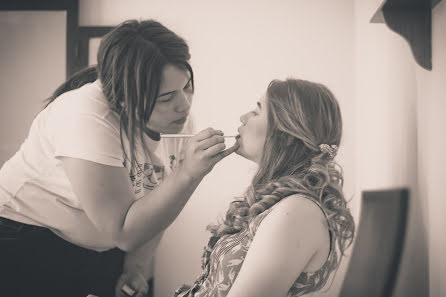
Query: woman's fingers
<point x="206" y="133"/>
<point x="227" y="152"/>
<point x="131" y="284"/>
<point x="203" y="151"/>
<point x="222" y="153"/>
<point x="214" y="144"/>
<point x="215" y="149"/>
<point x="210" y="142"/>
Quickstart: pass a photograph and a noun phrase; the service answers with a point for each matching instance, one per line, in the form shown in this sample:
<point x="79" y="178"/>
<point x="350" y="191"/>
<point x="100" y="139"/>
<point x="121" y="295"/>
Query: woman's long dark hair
<point x="131" y="58"/>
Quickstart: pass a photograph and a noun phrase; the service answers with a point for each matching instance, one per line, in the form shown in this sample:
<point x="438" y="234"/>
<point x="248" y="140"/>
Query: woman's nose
<point x="184" y="102"/>
<point x="244" y="118"/>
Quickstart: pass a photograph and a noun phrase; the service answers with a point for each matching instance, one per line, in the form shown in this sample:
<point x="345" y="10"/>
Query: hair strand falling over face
<point x="131" y="58"/>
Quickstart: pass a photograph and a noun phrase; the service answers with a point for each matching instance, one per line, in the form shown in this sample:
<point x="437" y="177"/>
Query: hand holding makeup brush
<point x="204" y="150"/>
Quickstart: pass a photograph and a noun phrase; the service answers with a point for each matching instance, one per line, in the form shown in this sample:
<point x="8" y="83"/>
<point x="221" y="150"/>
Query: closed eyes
<point x="172" y="93"/>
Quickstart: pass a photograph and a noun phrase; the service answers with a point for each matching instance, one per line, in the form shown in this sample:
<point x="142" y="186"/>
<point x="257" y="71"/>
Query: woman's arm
<point x="141" y="259"/>
<point x="138" y="269"/>
<point x="284" y="244"/>
<point x="106" y="193"/>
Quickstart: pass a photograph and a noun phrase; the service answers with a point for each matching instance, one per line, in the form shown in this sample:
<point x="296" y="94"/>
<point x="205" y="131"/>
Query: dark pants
<point x="36" y="262"/>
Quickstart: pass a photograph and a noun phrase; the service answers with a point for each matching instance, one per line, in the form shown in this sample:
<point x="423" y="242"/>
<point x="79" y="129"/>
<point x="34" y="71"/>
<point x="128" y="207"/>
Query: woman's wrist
<point x="187" y="177"/>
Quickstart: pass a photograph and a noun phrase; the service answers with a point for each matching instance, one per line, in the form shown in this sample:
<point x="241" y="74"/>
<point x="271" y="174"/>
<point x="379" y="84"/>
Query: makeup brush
<point x="189" y="135"/>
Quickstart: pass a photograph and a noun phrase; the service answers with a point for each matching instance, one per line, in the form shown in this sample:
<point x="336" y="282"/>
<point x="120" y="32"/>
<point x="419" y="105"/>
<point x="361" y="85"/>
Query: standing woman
<point x="84" y="201"/>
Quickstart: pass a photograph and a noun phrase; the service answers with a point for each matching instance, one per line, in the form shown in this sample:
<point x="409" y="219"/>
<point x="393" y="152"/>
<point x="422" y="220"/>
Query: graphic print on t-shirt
<point x="147" y="176"/>
<point x="174" y="161"/>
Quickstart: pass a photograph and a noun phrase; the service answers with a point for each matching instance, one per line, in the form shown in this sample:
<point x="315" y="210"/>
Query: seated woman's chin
<point x="241" y="153"/>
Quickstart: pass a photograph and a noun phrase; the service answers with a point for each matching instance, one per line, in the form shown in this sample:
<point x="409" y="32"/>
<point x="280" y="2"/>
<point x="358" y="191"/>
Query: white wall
<point x="431" y="149"/>
<point x="32" y="65"/>
<point x="237" y="48"/>
<point x="387" y="134"/>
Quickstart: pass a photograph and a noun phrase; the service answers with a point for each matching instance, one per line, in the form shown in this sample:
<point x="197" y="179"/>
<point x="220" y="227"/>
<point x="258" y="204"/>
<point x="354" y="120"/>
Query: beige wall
<point x="32" y="64"/>
<point x="237" y="47"/>
<point x="400" y="110"/>
<point x="431" y="150"/>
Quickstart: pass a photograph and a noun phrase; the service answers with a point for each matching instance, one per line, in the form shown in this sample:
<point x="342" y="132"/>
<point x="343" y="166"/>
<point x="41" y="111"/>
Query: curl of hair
<point x="301" y="115"/>
<point x="322" y="181"/>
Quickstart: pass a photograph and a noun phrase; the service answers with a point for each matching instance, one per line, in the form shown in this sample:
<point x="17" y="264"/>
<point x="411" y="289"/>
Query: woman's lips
<point x="239" y="133"/>
<point x="180" y="121"/>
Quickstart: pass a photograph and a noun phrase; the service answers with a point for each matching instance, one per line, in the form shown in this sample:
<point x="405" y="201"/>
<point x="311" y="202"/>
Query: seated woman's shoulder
<point x="298" y="212"/>
<point x="299" y="205"/>
<point x="300" y="218"/>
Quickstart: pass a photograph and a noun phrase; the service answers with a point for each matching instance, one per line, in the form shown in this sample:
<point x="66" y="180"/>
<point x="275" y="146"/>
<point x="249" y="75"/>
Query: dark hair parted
<point x="301" y="116"/>
<point x="131" y="58"/>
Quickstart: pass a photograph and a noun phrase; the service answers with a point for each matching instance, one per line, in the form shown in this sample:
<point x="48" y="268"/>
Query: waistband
<point x="13" y="230"/>
<point x="9" y="229"/>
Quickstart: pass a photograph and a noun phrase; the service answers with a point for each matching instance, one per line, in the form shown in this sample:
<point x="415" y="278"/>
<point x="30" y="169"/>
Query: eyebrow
<point x="167" y="93"/>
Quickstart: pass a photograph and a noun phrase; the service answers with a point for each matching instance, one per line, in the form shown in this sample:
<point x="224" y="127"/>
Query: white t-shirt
<point x="34" y="188"/>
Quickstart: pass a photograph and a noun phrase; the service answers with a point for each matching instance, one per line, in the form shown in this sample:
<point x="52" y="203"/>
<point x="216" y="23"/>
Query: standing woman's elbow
<point x="105" y="194"/>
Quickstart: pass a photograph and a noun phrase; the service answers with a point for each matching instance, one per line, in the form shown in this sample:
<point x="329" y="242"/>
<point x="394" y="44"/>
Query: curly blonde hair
<point x="301" y="116"/>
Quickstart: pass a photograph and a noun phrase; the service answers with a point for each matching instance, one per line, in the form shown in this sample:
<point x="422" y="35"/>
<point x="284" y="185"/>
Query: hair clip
<point x="329" y="149"/>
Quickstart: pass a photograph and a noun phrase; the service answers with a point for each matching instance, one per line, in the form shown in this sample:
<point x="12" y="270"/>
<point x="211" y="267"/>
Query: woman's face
<point x="253" y="132"/>
<point x="173" y="102"/>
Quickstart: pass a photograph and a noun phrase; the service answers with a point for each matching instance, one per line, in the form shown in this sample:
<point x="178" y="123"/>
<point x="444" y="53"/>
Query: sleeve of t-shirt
<point x="88" y="137"/>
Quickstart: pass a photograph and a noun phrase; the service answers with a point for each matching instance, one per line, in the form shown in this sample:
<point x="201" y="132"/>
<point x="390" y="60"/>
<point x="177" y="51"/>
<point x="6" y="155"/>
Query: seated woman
<point x="283" y="237"/>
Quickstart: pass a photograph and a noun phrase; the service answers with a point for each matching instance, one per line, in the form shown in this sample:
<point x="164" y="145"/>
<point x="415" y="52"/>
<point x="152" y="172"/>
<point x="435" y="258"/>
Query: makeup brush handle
<point x="187" y="135"/>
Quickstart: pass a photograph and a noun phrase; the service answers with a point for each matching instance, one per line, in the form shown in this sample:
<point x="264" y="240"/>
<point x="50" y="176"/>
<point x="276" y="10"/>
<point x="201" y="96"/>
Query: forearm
<point x="153" y="213"/>
<point x="141" y="259"/>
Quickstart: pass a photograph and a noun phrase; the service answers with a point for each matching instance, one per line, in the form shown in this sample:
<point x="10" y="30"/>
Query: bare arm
<point x="106" y="193"/>
<point x="285" y="242"/>
<point x="141" y="259"/>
